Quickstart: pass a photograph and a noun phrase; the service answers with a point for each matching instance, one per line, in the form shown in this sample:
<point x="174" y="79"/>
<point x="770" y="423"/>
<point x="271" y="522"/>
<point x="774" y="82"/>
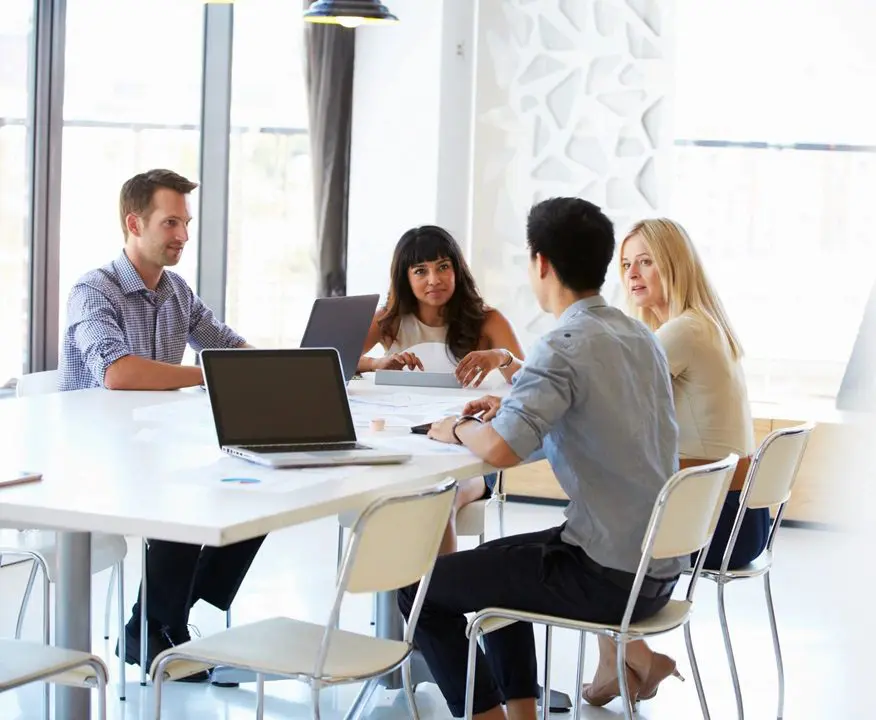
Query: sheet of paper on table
<point x="414" y="445"/>
<point x="282" y="481"/>
<point x="403" y="409"/>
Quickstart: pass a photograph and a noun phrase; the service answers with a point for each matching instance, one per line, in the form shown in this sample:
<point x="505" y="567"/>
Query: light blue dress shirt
<point x="596" y="394"/>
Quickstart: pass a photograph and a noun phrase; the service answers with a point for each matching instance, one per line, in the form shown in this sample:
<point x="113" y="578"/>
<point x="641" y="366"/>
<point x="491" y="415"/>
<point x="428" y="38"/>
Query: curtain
<point x="329" y="58"/>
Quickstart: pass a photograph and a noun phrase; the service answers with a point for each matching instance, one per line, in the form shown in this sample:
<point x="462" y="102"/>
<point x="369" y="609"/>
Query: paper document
<point x="415" y="445"/>
<point x="281" y="481"/>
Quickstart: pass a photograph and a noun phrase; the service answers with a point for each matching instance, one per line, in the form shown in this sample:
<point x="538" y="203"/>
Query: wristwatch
<point x="460" y="421"/>
<point x="508" y="362"/>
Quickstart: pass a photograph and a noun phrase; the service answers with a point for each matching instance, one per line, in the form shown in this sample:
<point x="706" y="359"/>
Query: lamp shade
<point x="349" y="13"/>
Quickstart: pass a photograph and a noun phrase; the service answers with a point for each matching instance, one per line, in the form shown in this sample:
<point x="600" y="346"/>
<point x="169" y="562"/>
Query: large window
<point x="16" y="58"/>
<point x="775" y="165"/>
<point x="271" y="248"/>
<point x="132" y="102"/>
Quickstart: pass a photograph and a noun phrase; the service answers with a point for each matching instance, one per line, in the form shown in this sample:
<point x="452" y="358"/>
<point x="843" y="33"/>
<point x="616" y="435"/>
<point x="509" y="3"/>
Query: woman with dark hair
<point x="433" y="298"/>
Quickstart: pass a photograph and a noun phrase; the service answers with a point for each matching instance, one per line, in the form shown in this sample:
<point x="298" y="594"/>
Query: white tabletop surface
<point x="148" y="464"/>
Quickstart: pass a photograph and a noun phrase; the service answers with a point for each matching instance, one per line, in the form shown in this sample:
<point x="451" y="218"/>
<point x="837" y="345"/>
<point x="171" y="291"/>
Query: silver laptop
<point x="341" y="323"/>
<point x="285" y="408"/>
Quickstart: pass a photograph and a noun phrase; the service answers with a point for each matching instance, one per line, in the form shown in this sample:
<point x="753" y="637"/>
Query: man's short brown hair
<point x="137" y="193"/>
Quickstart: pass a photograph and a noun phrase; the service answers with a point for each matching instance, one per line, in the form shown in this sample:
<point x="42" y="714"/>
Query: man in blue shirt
<point x="595" y="393"/>
<point x="128" y="324"/>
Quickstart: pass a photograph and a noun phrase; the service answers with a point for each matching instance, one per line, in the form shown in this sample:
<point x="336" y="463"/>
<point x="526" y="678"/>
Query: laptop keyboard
<point x="305" y="448"/>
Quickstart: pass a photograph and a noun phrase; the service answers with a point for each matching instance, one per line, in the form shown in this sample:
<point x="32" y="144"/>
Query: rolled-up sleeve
<point x="96" y="330"/>
<point x="206" y="331"/>
<point x="543" y="391"/>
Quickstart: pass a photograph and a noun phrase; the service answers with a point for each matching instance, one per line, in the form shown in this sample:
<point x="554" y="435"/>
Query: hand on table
<point x="474" y="367"/>
<point x="485" y="407"/>
<point x="398" y="361"/>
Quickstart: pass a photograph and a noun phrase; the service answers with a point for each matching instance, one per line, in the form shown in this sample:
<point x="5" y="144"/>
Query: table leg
<point x="73" y="616"/>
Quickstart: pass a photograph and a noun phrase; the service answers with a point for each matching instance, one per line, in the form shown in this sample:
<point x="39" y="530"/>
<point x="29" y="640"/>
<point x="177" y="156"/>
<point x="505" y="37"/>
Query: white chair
<point x="683" y="521"/>
<point x="23" y="662"/>
<point x="769" y="483"/>
<point x="470" y="520"/>
<point x="393" y="544"/>
<point x="107" y="551"/>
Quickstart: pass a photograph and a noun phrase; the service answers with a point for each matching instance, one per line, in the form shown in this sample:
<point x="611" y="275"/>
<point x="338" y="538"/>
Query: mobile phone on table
<point x="421" y="429"/>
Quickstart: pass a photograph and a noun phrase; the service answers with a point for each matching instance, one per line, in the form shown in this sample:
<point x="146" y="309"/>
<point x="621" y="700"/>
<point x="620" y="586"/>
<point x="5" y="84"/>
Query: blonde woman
<point x="667" y="289"/>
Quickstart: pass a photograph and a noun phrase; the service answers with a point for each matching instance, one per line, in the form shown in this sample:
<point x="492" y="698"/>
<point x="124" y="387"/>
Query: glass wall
<point x="131" y="102"/>
<point x="271" y="249"/>
<point x="785" y="133"/>
<point x="16" y="99"/>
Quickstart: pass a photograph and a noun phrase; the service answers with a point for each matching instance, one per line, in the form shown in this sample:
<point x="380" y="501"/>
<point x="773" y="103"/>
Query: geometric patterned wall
<point x="571" y="99"/>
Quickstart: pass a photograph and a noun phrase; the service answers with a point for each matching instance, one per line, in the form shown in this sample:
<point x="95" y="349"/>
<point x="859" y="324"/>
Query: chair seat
<point x="757" y="567"/>
<point x="670" y="617"/>
<point x="106" y="550"/>
<point x="282" y="646"/>
<point x="23" y="662"/>
<point x="470" y="521"/>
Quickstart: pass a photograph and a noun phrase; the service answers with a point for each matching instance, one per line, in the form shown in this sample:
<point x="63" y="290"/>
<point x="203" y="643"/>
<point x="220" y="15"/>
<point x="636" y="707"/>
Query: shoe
<point x="157" y="642"/>
<point x="606" y="692"/>
<point x="662" y="667"/>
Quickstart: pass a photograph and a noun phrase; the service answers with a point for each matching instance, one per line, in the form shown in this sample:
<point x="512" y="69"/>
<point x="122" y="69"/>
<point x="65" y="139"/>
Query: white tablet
<point x="416" y="378"/>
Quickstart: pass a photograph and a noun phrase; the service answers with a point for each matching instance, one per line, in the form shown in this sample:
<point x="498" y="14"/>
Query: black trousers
<point x="178" y="575"/>
<point x="535" y="572"/>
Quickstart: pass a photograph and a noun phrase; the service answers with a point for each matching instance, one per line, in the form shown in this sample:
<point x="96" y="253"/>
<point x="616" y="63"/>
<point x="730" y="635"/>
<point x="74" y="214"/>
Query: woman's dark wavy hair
<point x="464" y="313"/>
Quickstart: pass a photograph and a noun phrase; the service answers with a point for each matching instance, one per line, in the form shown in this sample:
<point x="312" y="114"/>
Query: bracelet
<point x="508" y="362"/>
<point x="460" y="421"/>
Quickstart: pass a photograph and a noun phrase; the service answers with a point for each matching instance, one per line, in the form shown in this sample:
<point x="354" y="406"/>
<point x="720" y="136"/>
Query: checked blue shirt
<point x="112" y="314"/>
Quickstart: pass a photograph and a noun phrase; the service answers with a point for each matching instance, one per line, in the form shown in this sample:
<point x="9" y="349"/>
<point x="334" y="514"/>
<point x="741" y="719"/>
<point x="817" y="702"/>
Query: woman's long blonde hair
<point x="683" y="277"/>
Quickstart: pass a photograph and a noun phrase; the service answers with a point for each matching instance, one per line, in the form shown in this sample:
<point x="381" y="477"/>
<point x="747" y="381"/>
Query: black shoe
<point x="157" y="642"/>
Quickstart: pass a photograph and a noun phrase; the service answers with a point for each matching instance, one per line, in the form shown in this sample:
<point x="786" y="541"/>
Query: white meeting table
<point x="147" y="464"/>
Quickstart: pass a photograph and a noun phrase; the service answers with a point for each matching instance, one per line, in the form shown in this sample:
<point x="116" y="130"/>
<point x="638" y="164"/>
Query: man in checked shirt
<point x="128" y="324"/>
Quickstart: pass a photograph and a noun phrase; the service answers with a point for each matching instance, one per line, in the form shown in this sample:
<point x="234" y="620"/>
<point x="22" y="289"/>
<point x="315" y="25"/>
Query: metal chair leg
<point x="728" y="647"/>
<point x="22" y="611"/>
<point x="546" y="698"/>
<point x="780" y="668"/>
<point x="408" y="685"/>
<point x="470" y="672"/>
<point x="123" y="651"/>
<point x="109" y="600"/>
<point x="314" y="701"/>
<point x="579" y="676"/>
<point x="47" y="627"/>
<point x="629" y="708"/>
<point x="144" y="632"/>
<point x="500" y="486"/>
<point x="695" y="670"/>
<point x="260" y="696"/>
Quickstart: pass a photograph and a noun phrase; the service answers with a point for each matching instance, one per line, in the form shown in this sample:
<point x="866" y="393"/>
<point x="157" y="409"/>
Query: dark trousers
<point x="178" y="575"/>
<point x="752" y="539"/>
<point x="536" y="572"/>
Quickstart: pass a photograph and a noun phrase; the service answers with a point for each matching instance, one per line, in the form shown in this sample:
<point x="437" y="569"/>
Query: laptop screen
<point x="269" y="397"/>
<point x="341" y="323"/>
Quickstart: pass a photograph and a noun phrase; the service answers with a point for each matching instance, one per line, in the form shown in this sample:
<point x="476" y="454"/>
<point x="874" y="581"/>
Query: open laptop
<point x="341" y="323"/>
<point x="285" y="408"/>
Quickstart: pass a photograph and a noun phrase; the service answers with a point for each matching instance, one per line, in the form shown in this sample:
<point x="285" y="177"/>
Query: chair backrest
<point x="38" y="383"/>
<point x="687" y="509"/>
<point x="393" y="544"/>
<point x="683" y="521"/>
<point x="770" y="480"/>
<point x="774" y="467"/>
<point x="395" y="540"/>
